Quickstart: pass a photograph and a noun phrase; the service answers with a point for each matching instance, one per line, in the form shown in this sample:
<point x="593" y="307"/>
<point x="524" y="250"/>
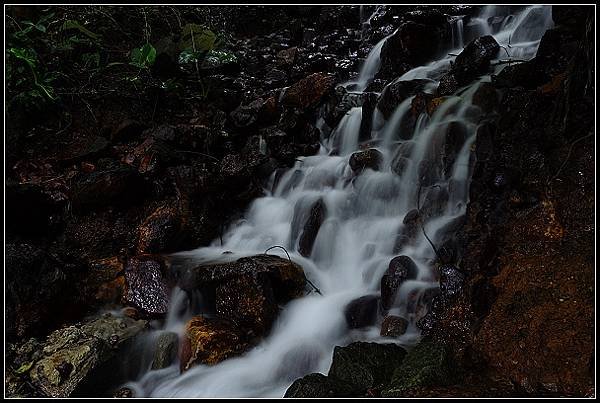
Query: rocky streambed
<point x="103" y="187"/>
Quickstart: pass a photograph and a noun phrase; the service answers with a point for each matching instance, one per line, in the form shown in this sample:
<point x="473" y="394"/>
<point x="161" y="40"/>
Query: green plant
<point x="42" y="81"/>
<point x="143" y="57"/>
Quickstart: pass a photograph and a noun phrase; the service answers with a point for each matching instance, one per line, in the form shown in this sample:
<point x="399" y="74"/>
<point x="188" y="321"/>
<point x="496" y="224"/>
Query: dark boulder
<point x="400" y="269"/>
<point x="40" y="290"/>
<point x="318" y="385"/>
<point x="396" y="92"/>
<point x="121" y="185"/>
<point x="362" y="312"/>
<point x="249" y="301"/>
<point x="452" y="281"/>
<point x="287" y="277"/>
<point x="434" y="203"/>
<point x="393" y="326"/>
<point x="365" y="365"/>
<point x="147" y="288"/>
<point x="311" y="228"/>
<point x="362" y="160"/>
<point x="412" y="44"/>
<point x="427" y="364"/>
<point x="473" y="61"/>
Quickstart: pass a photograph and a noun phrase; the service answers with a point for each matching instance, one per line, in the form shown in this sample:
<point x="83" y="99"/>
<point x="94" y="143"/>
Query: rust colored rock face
<point x="209" y="341"/>
<point x="158" y="231"/>
<point x="308" y="91"/>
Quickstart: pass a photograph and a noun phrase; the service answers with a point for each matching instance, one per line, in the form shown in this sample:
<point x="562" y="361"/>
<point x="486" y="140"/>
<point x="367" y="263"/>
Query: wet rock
<point x="473" y="61"/>
<point x="434" y="203"/>
<point x="166" y="350"/>
<point x="249" y="301"/>
<point x="71" y="356"/>
<point x="486" y="97"/>
<point x="455" y="137"/>
<point x="127" y="130"/>
<point x="393" y="326"/>
<point x="451" y="281"/>
<point x="427" y="364"/>
<point x="120" y="186"/>
<point x="369" y="104"/>
<point x="209" y="341"/>
<point x="105" y="280"/>
<point x="124" y="393"/>
<point x="413" y="44"/>
<point x="238" y="168"/>
<point x="286" y="277"/>
<point x="160" y="230"/>
<point x="311" y="228"/>
<point x="147" y="288"/>
<point x="401" y="158"/>
<point x="84" y="148"/>
<point x="318" y="385"/>
<point x="362" y="160"/>
<point x="244" y="115"/>
<point x="429" y="172"/>
<point x="309" y="91"/>
<point x="287" y="57"/>
<point x="412" y="224"/>
<point x="362" y="312"/>
<point x="400" y="269"/>
<point x="35" y="209"/>
<point x="396" y="92"/>
<point x="39" y="288"/>
<point x="365" y="365"/>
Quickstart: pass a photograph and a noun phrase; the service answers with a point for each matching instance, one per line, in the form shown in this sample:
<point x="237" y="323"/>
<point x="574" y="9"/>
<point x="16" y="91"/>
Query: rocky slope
<point x="101" y="185"/>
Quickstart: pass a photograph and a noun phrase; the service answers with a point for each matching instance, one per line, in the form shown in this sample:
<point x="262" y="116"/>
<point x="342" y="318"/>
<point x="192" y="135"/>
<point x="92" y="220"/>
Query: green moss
<point x="425" y="365"/>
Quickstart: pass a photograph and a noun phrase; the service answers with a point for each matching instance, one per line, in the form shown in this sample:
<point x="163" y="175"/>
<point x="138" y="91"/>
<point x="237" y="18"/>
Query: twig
<point x="421" y="222"/>
<point x="288" y="255"/>
<point x="567" y="157"/>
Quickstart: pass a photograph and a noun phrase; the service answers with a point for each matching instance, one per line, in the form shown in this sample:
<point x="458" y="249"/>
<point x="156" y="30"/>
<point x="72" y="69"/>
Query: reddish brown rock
<point x="160" y="229"/>
<point x="209" y="341"/>
<point x="248" y="301"/>
<point x="309" y="91"/>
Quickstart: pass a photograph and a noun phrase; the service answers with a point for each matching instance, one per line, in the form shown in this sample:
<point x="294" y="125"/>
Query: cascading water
<point x="358" y="237"/>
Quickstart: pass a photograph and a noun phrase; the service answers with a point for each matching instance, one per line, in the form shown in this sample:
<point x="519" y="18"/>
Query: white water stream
<point x="356" y="241"/>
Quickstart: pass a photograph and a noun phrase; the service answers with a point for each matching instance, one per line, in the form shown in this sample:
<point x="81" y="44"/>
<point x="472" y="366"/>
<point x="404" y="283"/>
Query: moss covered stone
<point x="365" y="365"/>
<point x="427" y="364"/>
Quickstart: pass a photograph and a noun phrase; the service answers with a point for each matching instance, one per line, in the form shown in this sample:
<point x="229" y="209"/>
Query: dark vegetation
<point x="133" y="132"/>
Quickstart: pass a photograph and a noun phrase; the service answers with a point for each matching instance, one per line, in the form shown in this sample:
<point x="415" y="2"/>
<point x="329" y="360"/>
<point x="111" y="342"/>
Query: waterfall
<point x="358" y="236"/>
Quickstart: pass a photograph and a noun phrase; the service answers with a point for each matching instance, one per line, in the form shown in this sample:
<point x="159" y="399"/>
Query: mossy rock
<point x="427" y="364"/>
<point x="366" y="365"/>
<point x="318" y="385"/>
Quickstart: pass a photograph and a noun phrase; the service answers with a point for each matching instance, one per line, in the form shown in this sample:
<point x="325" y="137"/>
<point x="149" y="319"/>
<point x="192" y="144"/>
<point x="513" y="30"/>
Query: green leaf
<point x="197" y="38"/>
<point x="143" y="57"/>
<point x="189" y="56"/>
<point x="27" y="55"/>
<point x="72" y="24"/>
<point x="24" y="368"/>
